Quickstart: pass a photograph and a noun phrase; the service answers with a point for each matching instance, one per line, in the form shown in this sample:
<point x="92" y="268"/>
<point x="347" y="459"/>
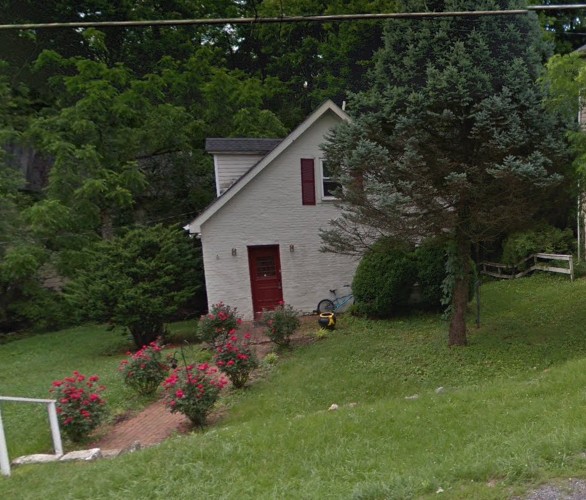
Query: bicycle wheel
<point x="325" y="305"/>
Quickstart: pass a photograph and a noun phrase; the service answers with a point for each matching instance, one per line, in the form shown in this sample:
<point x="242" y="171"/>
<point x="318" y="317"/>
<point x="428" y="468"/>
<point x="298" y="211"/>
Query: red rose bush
<point x="236" y="359"/>
<point x="218" y="324"/>
<point x="144" y="370"/>
<point x="80" y="407"/>
<point x="193" y="391"/>
<point x="280" y="324"/>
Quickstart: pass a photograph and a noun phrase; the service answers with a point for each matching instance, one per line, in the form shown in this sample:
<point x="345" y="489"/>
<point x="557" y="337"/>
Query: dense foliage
<point x="138" y="281"/>
<point x="108" y="125"/>
<point x="430" y="263"/>
<point x="547" y="239"/>
<point x="451" y="139"/>
<point x="383" y="282"/>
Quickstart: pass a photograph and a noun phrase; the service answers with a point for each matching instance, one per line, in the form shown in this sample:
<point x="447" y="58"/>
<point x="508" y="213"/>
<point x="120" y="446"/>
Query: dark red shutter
<point x="307" y="181"/>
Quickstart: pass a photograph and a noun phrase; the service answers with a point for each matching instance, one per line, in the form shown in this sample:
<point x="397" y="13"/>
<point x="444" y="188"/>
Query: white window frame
<point x="324" y="179"/>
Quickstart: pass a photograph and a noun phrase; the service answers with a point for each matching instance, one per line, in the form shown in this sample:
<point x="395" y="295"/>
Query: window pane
<point x="330" y="187"/>
<point x="326" y="171"/>
<point x="265" y="266"/>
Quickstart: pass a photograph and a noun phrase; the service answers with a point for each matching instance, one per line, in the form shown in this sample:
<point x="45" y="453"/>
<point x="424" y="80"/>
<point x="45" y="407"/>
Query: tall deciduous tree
<point x="565" y="83"/>
<point x="113" y="134"/>
<point x="450" y="141"/>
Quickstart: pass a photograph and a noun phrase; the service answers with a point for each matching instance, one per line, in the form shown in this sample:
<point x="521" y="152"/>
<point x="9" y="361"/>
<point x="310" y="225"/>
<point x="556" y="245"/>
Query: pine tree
<point x="451" y="140"/>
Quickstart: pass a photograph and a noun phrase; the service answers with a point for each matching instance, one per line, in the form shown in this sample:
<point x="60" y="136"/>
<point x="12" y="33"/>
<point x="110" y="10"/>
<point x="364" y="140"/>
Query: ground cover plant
<point x="509" y="414"/>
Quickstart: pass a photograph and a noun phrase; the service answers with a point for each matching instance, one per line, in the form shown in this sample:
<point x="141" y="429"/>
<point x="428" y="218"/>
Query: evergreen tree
<point x="138" y="281"/>
<point x="450" y="141"/>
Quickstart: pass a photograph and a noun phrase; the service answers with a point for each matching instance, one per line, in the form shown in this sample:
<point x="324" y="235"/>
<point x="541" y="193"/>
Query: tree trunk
<point x="146" y="332"/>
<point x="459" y="302"/>
<point x="457" y="335"/>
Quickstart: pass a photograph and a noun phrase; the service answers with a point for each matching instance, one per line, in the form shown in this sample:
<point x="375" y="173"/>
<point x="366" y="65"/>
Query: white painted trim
<point x="216" y="176"/>
<point x="195" y="225"/>
<point x="323" y="197"/>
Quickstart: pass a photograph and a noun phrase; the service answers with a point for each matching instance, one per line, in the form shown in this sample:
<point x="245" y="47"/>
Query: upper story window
<point x="329" y="185"/>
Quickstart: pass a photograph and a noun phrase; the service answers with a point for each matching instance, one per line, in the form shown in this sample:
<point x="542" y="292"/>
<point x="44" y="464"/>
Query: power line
<point x="290" y="19"/>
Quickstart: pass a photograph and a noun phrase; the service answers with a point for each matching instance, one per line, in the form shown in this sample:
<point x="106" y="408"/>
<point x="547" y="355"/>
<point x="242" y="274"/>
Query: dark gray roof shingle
<point x="240" y="145"/>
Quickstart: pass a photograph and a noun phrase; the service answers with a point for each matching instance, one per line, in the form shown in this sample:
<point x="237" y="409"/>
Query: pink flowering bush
<point x="80" y="407"/>
<point x="193" y="391"/>
<point x="236" y="359"/>
<point x="144" y="370"/>
<point x="280" y="324"/>
<point x="218" y="324"/>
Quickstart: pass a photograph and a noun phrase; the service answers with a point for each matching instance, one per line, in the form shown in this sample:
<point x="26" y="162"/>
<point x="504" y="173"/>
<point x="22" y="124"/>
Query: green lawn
<point x="29" y="366"/>
<point x="511" y="412"/>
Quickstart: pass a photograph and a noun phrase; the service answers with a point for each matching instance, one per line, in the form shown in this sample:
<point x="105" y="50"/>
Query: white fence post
<point x="4" y="462"/>
<point x="57" y="445"/>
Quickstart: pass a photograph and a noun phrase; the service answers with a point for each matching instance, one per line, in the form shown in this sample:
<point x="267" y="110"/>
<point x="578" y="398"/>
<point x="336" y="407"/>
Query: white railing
<point x="55" y="432"/>
<point x="532" y="263"/>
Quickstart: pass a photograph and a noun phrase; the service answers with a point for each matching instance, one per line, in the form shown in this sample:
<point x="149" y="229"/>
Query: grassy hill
<point x="510" y="411"/>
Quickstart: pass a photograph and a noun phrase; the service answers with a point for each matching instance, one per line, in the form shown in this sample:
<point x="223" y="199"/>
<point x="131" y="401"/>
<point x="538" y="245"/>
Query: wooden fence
<point x="549" y="262"/>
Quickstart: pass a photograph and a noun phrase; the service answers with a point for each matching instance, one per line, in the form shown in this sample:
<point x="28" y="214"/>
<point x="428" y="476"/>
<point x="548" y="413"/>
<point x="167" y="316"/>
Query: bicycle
<point x="329" y="305"/>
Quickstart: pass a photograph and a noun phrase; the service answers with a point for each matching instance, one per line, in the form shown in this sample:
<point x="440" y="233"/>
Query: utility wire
<point x="290" y="19"/>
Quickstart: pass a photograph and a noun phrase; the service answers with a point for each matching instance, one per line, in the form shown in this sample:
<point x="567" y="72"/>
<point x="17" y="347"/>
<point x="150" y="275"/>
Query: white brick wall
<point x="268" y="211"/>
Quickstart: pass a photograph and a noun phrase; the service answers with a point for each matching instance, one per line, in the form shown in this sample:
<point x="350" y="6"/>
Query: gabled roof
<point x="241" y="145"/>
<point x="328" y="106"/>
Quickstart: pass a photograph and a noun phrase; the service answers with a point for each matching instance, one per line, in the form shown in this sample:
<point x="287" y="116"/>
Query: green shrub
<point x="270" y="359"/>
<point x="280" y="324"/>
<point x="138" y="281"/>
<point x="43" y="310"/>
<point x="383" y="281"/>
<point x="545" y="238"/>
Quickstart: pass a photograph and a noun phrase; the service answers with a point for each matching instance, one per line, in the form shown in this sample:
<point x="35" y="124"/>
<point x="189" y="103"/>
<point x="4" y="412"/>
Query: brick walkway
<point x="153" y="425"/>
<point x="156" y="423"/>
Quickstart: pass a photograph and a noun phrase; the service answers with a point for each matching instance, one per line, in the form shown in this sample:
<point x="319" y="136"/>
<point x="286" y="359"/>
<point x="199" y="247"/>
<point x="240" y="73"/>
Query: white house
<point x="260" y="237"/>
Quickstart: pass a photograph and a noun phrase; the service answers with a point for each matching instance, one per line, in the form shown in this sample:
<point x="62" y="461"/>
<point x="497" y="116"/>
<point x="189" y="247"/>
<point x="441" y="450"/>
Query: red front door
<point x="265" y="277"/>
